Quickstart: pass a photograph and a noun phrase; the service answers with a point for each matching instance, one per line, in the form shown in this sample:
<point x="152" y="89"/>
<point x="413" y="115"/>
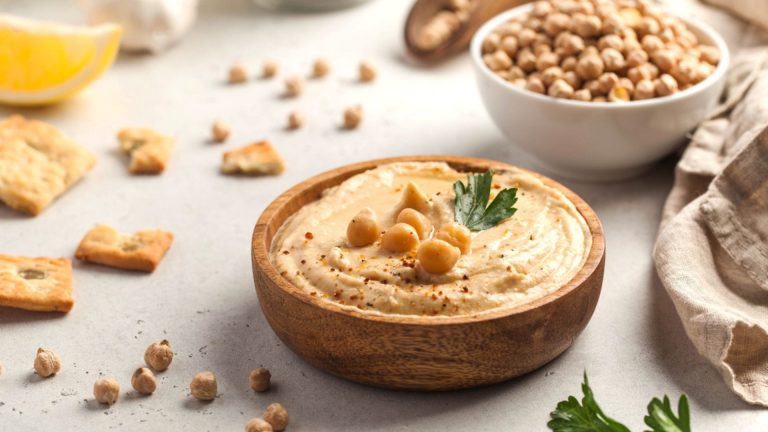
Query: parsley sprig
<point x="587" y="416"/>
<point x="471" y="203"/>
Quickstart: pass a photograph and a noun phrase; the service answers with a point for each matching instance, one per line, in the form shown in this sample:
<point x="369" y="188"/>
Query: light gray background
<point x="202" y="296"/>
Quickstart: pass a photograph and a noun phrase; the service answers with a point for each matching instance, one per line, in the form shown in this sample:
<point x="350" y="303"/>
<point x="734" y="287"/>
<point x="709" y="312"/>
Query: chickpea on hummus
<point x="386" y="241"/>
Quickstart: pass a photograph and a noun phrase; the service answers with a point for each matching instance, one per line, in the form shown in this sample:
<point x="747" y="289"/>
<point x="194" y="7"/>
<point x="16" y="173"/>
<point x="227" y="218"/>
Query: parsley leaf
<point x="661" y="417"/>
<point x="471" y="204"/>
<point x="570" y="416"/>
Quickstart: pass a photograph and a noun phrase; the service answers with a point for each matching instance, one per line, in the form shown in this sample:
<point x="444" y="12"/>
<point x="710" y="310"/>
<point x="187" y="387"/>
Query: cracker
<point x="37" y="163"/>
<point x="254" y="159"/>
<point x="149" y="150"/>
<point x="38" y="284"/>
<point x="141" y="250"/>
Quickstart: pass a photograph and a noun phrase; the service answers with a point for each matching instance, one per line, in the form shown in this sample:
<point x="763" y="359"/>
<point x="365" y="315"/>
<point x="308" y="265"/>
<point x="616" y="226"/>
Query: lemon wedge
<point x="42" y="63"/>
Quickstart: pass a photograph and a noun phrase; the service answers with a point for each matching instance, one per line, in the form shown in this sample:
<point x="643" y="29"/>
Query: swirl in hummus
<point x="522" y="258"/>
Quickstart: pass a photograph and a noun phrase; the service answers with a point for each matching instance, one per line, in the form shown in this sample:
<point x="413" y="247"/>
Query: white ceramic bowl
<point x="596" y="140"/>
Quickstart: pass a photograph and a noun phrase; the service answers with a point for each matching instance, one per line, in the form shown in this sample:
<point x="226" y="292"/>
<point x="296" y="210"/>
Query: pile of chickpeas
<point x="598" y="51"/>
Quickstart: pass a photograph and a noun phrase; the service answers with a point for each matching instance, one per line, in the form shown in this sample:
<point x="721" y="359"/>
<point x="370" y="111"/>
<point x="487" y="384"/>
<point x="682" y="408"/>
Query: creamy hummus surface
<point x="533" y="253"/>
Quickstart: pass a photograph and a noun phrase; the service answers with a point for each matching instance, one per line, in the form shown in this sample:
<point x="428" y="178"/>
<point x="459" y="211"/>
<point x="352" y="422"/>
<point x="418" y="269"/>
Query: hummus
<point x="522" y="258"/>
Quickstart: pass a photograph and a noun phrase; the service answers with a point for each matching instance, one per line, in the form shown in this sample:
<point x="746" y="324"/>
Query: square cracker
<point x="259" y="158"/>
<point x="149" y="150"/>
<point x="38" y="284"/>
<point x="141" y="250"/>
<point x="37" y="163"/>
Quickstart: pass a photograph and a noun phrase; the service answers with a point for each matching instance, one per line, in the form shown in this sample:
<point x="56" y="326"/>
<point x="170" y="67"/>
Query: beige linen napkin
<point x="712" y="249"/>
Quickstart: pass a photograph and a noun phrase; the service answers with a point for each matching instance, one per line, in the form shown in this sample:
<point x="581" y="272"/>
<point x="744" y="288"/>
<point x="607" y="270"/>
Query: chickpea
<point x="143" y="381"/>
<point x="509" y="45"/>
<point x="569" y="64"/>
<point x="515" y="72"/>
<point x="400" y="237"/>
<point x="607" y="81"/>
<point x="159" y="355"/>
<point x="590" y="50"/>
<point x="353" y="116"/>
<point x="294" y="86"/>
<point x="702" y="72"/>
<point x="631" y="16"/>
<point x="499" y="60"/>
<point x="569" y="44"/>
<point x="632" y="45"/>
<point x="626" y="83"/>
<point x="526" y="60"/>
<point x="519" y="82"/>
<point x="556" y="23"/>
<point x="594" y="87"/>
<point x="363" y="229"/>
<point x="572" y="78"/>
<point x="269" y="69"/>
<point x="526" y="37"/>
<point x="510" y="29"/>
<point x="612" y="59"/>
<point x="418" y="221"/>
<point x="652" y="43"/>
<point x="664" y="60"/>
<point x="438" y="256"/>
<point x="665" y="85"/>
<point x="583" y="95"/>
<point x="667" y="35"/>
<point x="415" y="198"/>
<point x="295" y="120"/>
<point x="644" y="89"/>
<point x="457" y="235"/>
<point x="260" y="379"/>
<point x="367" y="71"/>
<point x="541" y="9"/>
<point x="47" y="363"/>
<point x="599" y="99"/>
<point x="491" y="43"/>
<point x="636" y="58"/>
<point x="648" y="26"/>
<point x="535" y="85"/>
<point x="560" y="89"/>
<point x="106" y="390"/>
<point x="534" y="24"/>
<point x="612" y="24"/>
<point x="618" y="94"/>
<point x="710" y="54"/>
<point x="258" y="425"/>
<point x="220" y="131"/>
<point x="238" y="74"/>
<point x="321" y="68"/>
<point x="277" y="416"/>
<point x="590" y="67"/>
<point x="611" y="41"/>
<point x="203" y="386"/>
<point x="549" y="75"/>
<point x="586" y="26"/>
<point x="540" y="49"/>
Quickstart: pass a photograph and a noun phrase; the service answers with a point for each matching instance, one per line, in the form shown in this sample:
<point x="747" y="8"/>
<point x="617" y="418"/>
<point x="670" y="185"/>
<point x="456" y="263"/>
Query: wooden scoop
<point x="422" y="13"/>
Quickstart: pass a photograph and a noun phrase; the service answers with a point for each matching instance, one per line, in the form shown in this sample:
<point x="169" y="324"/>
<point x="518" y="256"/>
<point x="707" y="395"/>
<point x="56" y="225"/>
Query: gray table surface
<point x="202" y="296"/>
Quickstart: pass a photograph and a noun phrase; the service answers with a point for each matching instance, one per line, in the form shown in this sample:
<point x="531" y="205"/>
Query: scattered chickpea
<point x="258" y="425"/>
<point x="159" y="355"/>
<point x="220" y="131"/>
<point x="367" y="71"/>
<point x="47" y="363"/>
<point x="106" y="390"/>
<point x="417" y="220"/>
<point x="269" y="69"/>
<point x="260" y="379"/>
<point x="295" y="120"/>
<point x="437" y="256"/>
<point x="353" y="116"/>
<point x="203" y="386"/>
<point x="363" y="229"/>
<point x="294" y="86"/>
<point x="238" y="74"/>
<point x="277" y="416"/>
<point x="400" y="237"/>
<point x="143" y="381"/>
<point x="321" y="68"/>
<point x="457" y="235"/>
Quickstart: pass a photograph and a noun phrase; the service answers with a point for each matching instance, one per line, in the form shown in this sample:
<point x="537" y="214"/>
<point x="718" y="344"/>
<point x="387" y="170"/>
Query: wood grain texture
<point x="424" y="10"/>
<point x="422" y="353"/>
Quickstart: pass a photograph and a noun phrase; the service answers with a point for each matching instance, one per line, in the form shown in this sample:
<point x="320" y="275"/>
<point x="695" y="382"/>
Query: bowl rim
<point x="475" y="52"/>
<point x="261" y="257"/>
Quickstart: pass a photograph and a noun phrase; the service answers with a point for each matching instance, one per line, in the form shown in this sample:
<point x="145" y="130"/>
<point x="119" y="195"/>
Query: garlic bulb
<point x="148" y="25"/>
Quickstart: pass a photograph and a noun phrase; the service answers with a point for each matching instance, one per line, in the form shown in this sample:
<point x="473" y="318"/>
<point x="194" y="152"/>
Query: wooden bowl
<point x="414" y="352"/>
